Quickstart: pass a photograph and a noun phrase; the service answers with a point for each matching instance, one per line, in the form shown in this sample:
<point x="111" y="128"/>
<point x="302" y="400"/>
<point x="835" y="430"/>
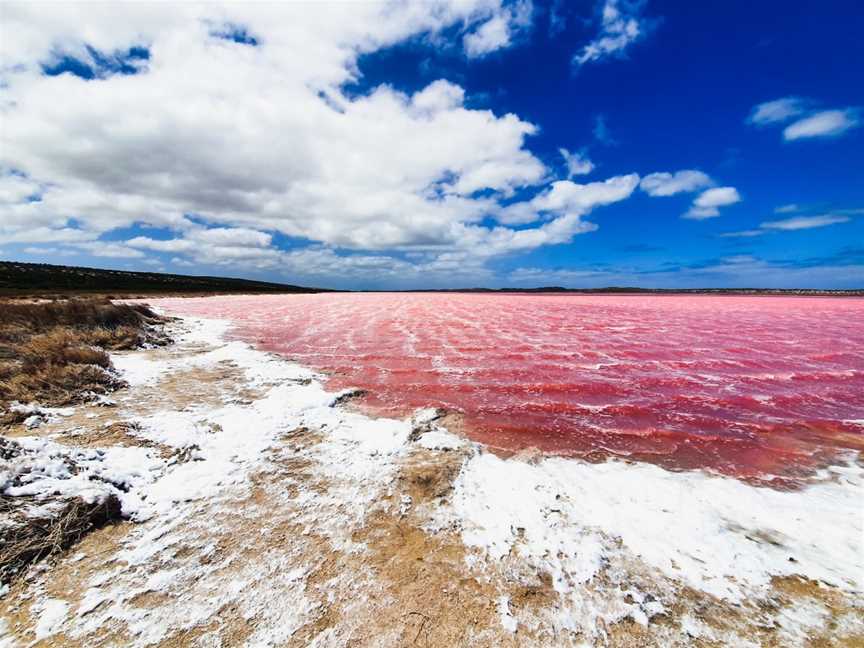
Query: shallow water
<point x="753" y="387"/>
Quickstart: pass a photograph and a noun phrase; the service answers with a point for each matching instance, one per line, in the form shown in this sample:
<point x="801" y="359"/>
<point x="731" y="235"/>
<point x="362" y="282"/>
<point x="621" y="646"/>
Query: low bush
<point x="54" y="352"/>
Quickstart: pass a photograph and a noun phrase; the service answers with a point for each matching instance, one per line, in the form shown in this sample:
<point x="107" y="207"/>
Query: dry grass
<point x="25" y="539"/>
<point x="24" y="544"/>
<point x="116" y="325"/>
<point x="54" y="352"/>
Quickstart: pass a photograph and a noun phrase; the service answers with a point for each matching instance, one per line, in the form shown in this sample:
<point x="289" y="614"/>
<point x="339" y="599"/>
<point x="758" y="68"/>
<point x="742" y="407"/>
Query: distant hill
<point x="41" y="278"/>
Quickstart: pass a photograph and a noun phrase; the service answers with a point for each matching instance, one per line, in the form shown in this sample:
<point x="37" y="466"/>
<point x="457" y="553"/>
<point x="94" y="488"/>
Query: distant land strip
<point x="619" y="290"/>
<point x="44" y="279"/>
<point x="18" y="278"/>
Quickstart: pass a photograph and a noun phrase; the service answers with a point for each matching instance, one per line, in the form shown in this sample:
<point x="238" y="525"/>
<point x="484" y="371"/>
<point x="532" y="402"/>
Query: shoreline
<point x="547" y="551"/>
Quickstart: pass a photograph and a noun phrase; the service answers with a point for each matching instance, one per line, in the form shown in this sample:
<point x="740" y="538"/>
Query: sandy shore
<point x="262" y="510"/>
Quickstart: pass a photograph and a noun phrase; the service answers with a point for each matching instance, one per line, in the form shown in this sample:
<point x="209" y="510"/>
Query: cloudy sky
<point x="442" y="143"/>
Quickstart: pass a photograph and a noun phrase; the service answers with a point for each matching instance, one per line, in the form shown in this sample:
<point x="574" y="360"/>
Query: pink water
<point x="747" y="386"/>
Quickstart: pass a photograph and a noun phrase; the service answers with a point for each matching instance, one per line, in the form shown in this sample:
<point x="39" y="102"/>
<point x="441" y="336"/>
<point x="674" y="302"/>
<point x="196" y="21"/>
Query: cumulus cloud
<point x="577" y="162"/>
<point x="492" y="35"/>
<point x="826" y="123"/>
<point x="569" y="200"/>
<point x="669" y="184"/>
<point x="497" y="32"/>
<point x="160" y="245"/>
<point x="217" y="245"/>
<point x="777" y="111"/>
<point x="227" y="142"/>
<point x="708" y="203"/>
<point x="438" y="96"/>
<point x="621" y="25"/>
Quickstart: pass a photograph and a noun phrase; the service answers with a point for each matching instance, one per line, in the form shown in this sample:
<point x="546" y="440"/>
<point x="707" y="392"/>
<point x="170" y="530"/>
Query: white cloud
<point x="568" y="198"/>
<point x="161" y="245"/>
<point x="779" y="110"/>
<point x="791" y="224"/>
<point x="707" y="204"/>
<point x="255" y="141"/>
<point x="669" y="184"/>
<point x="230" y="236"/>
<point x="285" y="150"/>
<point x="42" y="251"/>
<point x="438" y="96"/>
<point x="743" y="234"/>
<point x="43" y="234"/>
<point x="805" y="222"/>
<point x="497" y="32"/>
<point x="565" y="195"/>
<point x="490" y="36"/>
<point x="787" y="209"/>
<point x="15" y="188"/>
<point x="827" y="123"/>
<point x="110" y="250"/>
<point x="221" y="245"/>
<point x="621" y="26"/>
<point x="741" y="271"/>
<point x="180" y="261"/>
<point x="577" y="162"/>
<point x="808" y="122"/>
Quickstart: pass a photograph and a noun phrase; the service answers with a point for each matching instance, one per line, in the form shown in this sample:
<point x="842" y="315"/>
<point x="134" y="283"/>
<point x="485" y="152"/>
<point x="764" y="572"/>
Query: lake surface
<point x="753" y="387"/>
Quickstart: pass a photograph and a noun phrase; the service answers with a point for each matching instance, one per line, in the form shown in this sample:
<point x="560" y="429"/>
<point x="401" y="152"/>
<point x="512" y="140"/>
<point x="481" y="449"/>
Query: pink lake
<point x="753" y="387"/>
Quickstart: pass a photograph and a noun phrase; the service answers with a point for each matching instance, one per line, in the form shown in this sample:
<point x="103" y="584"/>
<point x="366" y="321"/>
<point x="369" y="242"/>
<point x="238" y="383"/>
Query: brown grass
<point x="37" y="539"/>
<point x="25" y="539"/>
<point x="54" y="352"/>
<point x="75" y="313"/>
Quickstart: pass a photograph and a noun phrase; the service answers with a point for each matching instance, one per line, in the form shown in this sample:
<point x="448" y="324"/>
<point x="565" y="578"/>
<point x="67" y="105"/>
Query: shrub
<point x="55" y="351"/>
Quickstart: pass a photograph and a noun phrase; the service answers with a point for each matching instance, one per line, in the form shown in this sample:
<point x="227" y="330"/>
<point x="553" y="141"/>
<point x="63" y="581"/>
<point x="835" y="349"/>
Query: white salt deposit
<point x="51" y="617"/>
<point x="508" y="621"/>
<point x="46" y="469"/>
<point x="440" y="439"/>
<point x="716" y="534"/>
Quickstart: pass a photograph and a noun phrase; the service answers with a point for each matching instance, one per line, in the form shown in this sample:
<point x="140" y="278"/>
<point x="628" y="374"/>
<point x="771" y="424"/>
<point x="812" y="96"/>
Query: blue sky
<point x="383" y="146"/>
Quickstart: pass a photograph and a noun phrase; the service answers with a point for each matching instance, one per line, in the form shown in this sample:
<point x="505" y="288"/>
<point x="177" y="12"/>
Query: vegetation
<point x="44" y="279"/>
<point x="26" y="539"/>
<point x="54" y="352"/>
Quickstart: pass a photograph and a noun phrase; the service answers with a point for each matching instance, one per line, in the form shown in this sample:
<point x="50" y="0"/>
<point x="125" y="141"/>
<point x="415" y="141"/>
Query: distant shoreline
<point x="806" y="292"/>
<point x="42" y="279"/>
